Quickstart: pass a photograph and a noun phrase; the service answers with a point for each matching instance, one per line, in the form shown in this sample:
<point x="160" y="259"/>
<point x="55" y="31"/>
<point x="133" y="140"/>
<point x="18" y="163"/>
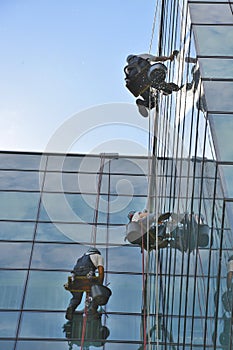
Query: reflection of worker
<point x="229" y="272"/>
<point x="85" y="267"/>
<point x="148" y="224"/>
<point x="144" y="71"/>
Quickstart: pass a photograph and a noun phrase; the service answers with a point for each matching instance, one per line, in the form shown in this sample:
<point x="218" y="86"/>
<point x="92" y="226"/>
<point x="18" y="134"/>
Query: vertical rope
<point x="96" y="212"/>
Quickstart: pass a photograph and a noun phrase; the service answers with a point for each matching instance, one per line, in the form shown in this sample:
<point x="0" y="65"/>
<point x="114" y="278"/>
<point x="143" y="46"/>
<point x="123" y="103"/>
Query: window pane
<point x="21" y="161"/>
<point x="39" y="345"/>
<point x="129" y="166"/>
<point x="18" y="205"/>
<point x="219" y="95"/>
<point x="214" y="40"/>
<point x="42" y="325"/>
<point x="15" y="255"/>
<point x="215" y="13"/>
<point x="78" y="182"/>
<point x="56" y="256"/>
<point x="45" y="291"/>
<point x="72" y="208"/>
<point x="72" y="163"/>
<point x="8" y="324"/>
<point x="19" y="180"/>
<point x="222" y="126"/>
<point x="216" y="68"/>
<point x="123" y="184"/>
<point x="19" y="231"/>
<point x="125" y="259"/>
<point x="7" y="345"/>
<point x="126" y="293"/>
<point x="11" y="291"/>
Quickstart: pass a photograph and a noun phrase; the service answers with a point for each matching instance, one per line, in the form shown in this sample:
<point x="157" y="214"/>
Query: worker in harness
<point x="82" y="279"/>
<point x="140" y="222"/>
<point x="145" y="71"/>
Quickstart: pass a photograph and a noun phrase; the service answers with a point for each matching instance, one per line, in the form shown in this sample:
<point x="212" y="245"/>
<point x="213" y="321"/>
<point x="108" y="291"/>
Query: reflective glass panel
<point x="219" y="96"/>
<point x="120" y="206"/>
<point x="214" y="40"/>
<point x="227" y="172"/>
<point x="76" y="182"/>
<point x="56" y="256"/>
<point x="123" y="184"/>
<point x="125" y="288"/>
<point x="73" y="207"/>
<point x="45" y="345"/>
<point x="222" y="126"/>
<point x="18" y="205"/>
<point x="45" y="291"/>
<point x="42" y="325"/>
<point x="8" y="324"/>
<point x="215" y="13"/>
<point x="19" y="180"/>
<point x="21" y="161"/>
<point x="63" y="232"/>
<point x="7" y="345"/>
<point x="20" y="231"/>
<point x="51" y="345"/>
<point x="15" y="255"/>
<point x="129" y="166"/>
<point x="216" y="68"/>
<point x="125" y="259"/>
<point x="11" y="291"/>
<point x="72" y="163"/>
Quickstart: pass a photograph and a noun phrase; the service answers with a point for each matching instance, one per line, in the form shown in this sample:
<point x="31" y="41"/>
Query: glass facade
<point x="55" y="206"/>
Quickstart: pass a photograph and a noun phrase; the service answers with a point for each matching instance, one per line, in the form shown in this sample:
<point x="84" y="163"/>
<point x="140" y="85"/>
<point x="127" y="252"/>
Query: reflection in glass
<point x="214" y="40"/>
<point x="7" y="344"/>
<point x="42" y="325"/>
<point x="216" y="68"/>
<point x="127" y="293"/>
<point x="222" y="126"/>
<point x="128" y="185"/>
<point x="19" y="180"/>
<point x="219" y="95"/>
<point x="60" y="232"/>
<point x="20" y="231"/>
<point x="56" y="256"/>
<point x="11" y="291"/>
<point x="15" y="255"/>
<point x="45" y="291"/>
<point x="21" y="161"/>
<point x="8" y="324"/>
<point x="216" y="13"/>
<point x="18" y="205"/>
<point x="72" y="207"/>
<point x="39" y="345"/>
<point x="75" y="182"/>
<point x="125" y="259"/>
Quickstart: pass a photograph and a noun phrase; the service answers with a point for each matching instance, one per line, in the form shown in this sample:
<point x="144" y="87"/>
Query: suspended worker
<point x="84" y="275"/>
<point x="142" y="74"/>
<point x="142" y="222"/>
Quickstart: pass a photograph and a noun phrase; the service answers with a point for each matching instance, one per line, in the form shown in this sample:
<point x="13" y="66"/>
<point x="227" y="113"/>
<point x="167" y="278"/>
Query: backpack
<point x="84" y="266"/>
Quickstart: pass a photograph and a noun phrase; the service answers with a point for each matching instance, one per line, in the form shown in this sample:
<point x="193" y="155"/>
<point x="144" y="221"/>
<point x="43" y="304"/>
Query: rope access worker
<point x="142" y="74"/>
<point x="145" y="220"/>
<point x="83" y="277"/>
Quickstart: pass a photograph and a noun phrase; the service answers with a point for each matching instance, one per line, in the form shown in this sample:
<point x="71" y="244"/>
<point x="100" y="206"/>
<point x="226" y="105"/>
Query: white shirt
<point x="136" y="216"/>
<point x="97" y="260"/>
<point x="230" y="266"/>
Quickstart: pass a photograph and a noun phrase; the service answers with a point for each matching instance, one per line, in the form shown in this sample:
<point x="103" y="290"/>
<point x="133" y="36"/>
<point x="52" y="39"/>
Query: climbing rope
<point x="96" y="212"/>
<point x="153" y="26"/>
<point x="85" y="315"/>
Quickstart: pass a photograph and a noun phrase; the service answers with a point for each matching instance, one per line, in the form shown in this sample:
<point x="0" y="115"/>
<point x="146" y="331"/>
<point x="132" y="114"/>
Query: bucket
<point x="100" y="294"/>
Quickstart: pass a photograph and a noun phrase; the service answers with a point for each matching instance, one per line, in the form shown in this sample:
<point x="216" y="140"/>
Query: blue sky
<point x="61" y="57"/>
